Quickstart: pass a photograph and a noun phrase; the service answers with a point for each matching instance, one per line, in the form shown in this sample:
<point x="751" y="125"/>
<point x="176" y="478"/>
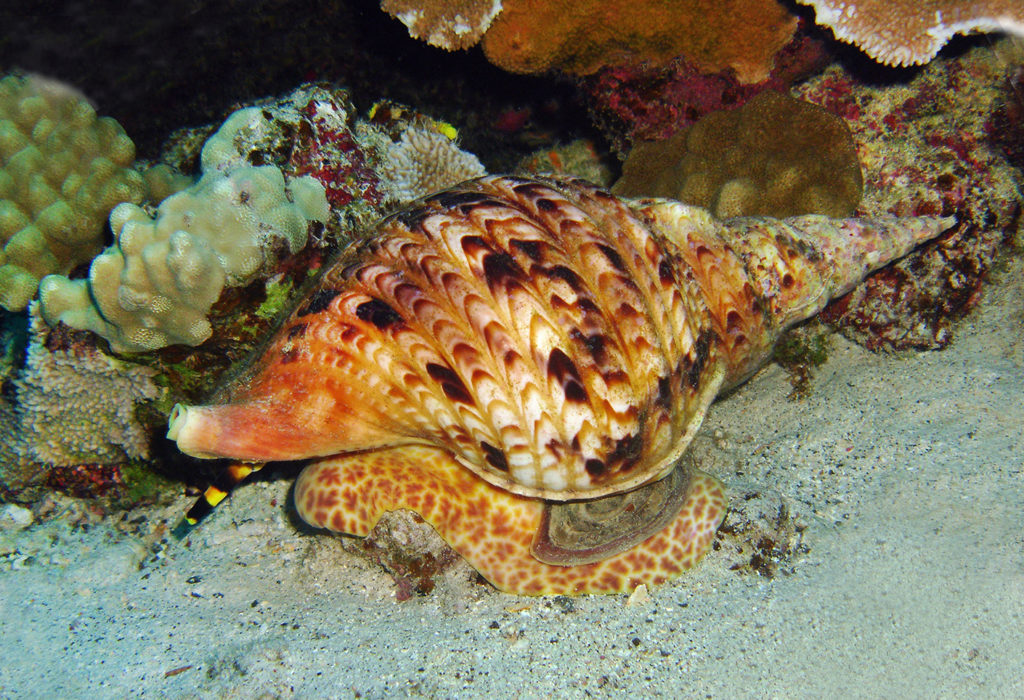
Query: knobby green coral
<point x="62" y="169"/>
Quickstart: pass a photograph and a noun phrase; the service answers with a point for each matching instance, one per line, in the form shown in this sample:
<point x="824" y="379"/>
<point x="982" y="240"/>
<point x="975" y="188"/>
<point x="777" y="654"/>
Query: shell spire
<point x="760" y="276"/>
<point x="556" y="340"/>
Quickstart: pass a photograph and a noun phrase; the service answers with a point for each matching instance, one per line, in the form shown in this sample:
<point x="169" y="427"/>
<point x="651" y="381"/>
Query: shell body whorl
<point x="558" y="341"/>
<point x="536" y="330"/>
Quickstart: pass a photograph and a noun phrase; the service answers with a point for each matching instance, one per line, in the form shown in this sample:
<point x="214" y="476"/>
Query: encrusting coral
<point x="926" y="147"/>
<point x="62" y="169"/>
<point x="775" y="156"/>
<point x="911" y="32"/>
<point x="649" y="103"/>
<point x="531" y="36"/>
<point x="156" y="285"/>
<point x="72" y="405"/>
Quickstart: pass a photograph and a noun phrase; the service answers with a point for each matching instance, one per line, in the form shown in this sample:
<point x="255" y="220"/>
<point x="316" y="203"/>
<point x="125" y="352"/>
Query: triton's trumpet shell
<point x="553" y="340"/>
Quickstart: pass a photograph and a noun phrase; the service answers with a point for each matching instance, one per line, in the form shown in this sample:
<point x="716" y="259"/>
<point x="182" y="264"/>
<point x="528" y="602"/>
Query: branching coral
<point x="775" y="156"/>
<point x="62" y="169"/>
<point x="909" y="32"/>
<point x="531" y="36"/>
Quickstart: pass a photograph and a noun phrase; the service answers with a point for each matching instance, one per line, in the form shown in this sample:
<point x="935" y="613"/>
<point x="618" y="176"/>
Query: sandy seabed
<point x="902" y="480"/>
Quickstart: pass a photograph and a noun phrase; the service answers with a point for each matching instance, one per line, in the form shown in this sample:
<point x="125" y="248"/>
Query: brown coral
<point x="581" y="36"/>
<point x="451" y="25"/>
<point x="775" y="156"/>
<point x="911" y="32"/>
<point x="70" y="405"/>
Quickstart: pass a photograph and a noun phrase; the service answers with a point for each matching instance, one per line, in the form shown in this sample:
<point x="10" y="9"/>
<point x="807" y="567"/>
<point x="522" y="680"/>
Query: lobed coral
<point x="62" y="169"/>
<point x="911" y="32"/>
<point x="156" y="286"/>
<point x="532" y="36"/>
<point x="775" y="156"/>
<point x="245" y="218"/>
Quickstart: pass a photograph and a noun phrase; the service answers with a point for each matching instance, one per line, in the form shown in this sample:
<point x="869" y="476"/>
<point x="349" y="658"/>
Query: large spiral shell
<point x="558" y="341"/>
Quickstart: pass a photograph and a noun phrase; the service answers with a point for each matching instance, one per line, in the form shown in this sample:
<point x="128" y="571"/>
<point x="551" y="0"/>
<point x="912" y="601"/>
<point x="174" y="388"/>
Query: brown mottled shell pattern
<point x="538" y="331"/>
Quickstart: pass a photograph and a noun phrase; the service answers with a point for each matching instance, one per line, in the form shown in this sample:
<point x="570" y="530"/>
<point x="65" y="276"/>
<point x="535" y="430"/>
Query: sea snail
<point x="523" y="361"/>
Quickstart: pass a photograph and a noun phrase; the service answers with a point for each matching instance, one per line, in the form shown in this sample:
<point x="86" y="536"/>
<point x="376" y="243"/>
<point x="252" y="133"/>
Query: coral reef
<point x="911" y="32"/>
<point x="578" y="158"/>
<point x="424" y="161"/>
<point x="71" y="406"/>
<point x="532" y="36"/>
<point x="62" y="169"/>
<point x="1006" y="127"/>
<point x="451" y="25"/>
<point x="156" y="286"/>
<point x="775" y="156"/>
<point x="649" y="103"/>
<point x="925" y="148"/>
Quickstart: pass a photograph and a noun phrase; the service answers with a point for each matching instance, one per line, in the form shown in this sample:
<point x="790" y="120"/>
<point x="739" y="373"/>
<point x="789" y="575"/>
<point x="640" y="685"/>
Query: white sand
<point x="904" y="471"/>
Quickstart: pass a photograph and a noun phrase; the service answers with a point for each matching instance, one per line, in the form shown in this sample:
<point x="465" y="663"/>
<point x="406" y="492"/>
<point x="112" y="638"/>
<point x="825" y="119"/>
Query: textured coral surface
<point x="450" y="24"/>
<point x="641" y="102"/>
<point x="62" y="170"/>
<point x="909" y="32"/>
<point x="775" y="156"/>
<point x="926" y="148"/>
<point x="73" y="406"/>
<point x="531" y="36"/>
